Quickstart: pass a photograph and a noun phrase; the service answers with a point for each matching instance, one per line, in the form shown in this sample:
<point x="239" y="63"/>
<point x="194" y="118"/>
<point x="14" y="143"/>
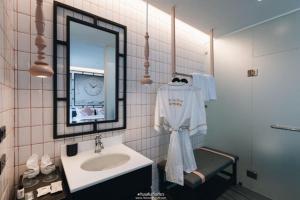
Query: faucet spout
<point x="98" y="144"/>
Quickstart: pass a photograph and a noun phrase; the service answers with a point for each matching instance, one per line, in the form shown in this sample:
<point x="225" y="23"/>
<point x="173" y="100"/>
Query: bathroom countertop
<point x="79" y="179"/>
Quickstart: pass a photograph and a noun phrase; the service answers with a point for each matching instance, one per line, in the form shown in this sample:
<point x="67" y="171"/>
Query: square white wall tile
<point x="23" y="6"/>
<point x="23" y="23"/>
<point x="24" y="154"/>
<point x="36" y="98"/>
<point x="23" y="117"/>
<point x="24" y="136"/>
<point x="36" y="116"/>
<point x="37" y="135"/>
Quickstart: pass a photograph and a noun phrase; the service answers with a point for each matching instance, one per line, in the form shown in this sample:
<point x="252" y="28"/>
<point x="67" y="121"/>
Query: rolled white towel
<point x="33" y="164"/>
<point x="47" y="165"/>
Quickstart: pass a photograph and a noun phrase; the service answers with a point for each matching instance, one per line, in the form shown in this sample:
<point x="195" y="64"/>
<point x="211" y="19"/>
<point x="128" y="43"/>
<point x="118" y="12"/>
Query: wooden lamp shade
<point x="40" y="68"/>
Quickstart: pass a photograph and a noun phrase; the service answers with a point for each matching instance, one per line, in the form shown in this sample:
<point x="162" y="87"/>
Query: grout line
<point x="30" y="52"/>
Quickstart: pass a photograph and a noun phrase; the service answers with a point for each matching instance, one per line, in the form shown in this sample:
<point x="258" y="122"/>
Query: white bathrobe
<point x="180" y="110"/>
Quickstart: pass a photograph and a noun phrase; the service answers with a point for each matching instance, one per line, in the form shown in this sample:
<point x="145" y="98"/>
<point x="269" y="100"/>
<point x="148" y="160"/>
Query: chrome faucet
<point x="98" y="144"/>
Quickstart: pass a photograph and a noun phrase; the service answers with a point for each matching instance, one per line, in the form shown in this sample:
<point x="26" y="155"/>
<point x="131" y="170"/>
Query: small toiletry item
<point x="56" y="187"/>
<point x="43" y="190"/>
<point x="29" y="196"/>
<point x="20" y="192"/>
<point x="72" y="149"/>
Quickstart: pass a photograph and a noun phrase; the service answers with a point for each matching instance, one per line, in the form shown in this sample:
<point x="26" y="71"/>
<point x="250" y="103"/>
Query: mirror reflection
<point x="92" y="73"/>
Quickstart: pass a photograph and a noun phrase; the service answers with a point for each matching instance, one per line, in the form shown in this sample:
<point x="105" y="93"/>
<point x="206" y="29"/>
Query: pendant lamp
<point x="146" y="80"/>
<point x="40" y="68"/>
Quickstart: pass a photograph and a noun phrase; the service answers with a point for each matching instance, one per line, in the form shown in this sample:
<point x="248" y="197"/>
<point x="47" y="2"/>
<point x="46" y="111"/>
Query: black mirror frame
<point x="57" y="42"/>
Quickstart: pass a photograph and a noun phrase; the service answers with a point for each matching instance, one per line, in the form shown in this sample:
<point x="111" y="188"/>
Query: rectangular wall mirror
<point x="89" y="81"/>
<point x="92" y="73"/>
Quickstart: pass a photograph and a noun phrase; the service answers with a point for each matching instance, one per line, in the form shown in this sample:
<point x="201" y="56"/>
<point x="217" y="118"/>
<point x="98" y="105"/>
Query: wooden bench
<point x="211" y="178"/>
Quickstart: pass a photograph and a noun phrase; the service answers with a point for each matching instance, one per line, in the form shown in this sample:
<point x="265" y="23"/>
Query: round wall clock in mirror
<point x="93" y="87"/>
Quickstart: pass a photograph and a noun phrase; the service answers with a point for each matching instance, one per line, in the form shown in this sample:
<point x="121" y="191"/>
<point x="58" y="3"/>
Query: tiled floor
<point x="241" y="193"/>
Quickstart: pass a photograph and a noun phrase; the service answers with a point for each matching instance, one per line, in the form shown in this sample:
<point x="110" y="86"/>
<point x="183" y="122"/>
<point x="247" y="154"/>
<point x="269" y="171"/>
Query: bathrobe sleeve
<point x="158" y="115"/>
<point x="198" y="114"/>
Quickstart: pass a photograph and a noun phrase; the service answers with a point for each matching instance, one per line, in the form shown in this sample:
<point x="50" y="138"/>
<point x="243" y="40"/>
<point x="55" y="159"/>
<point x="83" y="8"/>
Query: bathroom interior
<point x="149" y="99"/>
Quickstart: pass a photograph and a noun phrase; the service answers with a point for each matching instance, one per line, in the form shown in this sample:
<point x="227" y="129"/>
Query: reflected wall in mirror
<point x="92" y="73"/>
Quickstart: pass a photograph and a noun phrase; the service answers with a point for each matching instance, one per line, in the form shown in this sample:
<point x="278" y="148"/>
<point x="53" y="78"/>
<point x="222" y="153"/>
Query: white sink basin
<point x="87" y="168"/>
<point x="105" y="162"/>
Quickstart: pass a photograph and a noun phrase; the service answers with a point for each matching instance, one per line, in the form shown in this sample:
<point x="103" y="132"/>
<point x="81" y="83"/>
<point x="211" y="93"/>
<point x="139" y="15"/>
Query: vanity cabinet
<point x="123" y="187"/>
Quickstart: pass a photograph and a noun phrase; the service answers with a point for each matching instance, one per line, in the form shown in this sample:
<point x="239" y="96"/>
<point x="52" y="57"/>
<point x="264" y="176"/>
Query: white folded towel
<point x="207" y="85"/>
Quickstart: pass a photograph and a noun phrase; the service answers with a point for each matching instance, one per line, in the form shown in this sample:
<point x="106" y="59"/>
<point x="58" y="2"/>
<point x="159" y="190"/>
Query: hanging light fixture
<point x="146" y="79"/>
<point x="40" y="68"/>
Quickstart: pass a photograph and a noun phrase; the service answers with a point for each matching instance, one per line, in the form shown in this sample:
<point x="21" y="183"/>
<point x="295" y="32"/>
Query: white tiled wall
<point x="7" y="95"/>
<point x="33" y="100"/>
